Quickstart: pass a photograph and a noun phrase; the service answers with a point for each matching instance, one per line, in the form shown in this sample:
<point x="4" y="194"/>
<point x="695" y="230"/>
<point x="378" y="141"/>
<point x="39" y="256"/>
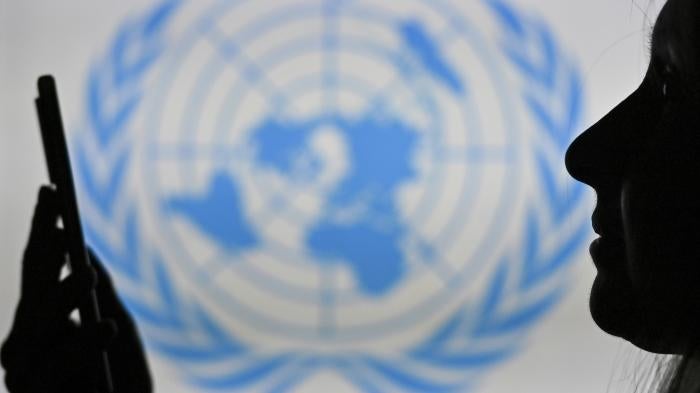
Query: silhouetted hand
<point x="47" y="351"/>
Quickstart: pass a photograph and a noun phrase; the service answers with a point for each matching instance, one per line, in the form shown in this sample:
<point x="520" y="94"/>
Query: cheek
<point x="661" y="213"/>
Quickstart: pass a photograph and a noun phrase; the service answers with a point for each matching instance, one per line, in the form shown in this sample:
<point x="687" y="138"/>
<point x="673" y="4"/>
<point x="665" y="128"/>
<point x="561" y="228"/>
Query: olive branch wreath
<point x="483" y="333"/>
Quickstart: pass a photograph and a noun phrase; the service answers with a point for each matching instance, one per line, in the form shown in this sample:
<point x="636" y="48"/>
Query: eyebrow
<point x="649" y="41"/>
<point x="654" y="35"/>
<point x="657" y="38"/>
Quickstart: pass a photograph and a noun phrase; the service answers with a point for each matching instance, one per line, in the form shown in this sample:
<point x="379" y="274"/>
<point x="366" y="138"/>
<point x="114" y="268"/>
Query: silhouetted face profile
<point x="643" y="160"/>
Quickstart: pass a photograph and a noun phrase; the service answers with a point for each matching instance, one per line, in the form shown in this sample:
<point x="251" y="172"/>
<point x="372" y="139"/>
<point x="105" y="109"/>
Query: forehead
<point x="677" y="18"/>
<point x="675" y="37"/>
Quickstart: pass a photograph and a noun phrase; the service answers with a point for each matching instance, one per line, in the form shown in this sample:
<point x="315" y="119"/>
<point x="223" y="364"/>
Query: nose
<point x="599" y="155"/>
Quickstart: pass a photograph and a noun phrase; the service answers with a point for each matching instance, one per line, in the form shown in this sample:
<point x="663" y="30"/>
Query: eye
<point x="666" y="77"/>
<point x="668" y="82"/>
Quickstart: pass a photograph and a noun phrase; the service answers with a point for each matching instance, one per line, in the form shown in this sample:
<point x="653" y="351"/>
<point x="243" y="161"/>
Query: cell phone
<point x="60" y="175"/>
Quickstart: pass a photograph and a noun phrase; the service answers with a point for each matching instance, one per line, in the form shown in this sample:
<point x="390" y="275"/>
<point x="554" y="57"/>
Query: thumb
<point x="102" y="334"/>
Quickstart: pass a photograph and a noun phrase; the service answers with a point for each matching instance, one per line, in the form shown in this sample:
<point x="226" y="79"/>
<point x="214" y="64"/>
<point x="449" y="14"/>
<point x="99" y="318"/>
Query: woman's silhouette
<point x="643" y="160"/>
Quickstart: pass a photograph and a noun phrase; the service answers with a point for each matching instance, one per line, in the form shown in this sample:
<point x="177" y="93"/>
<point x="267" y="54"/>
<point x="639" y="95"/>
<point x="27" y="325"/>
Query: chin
<point x="656" y="346"/>
<point x="660" y="340"/>
<point x="618" y="312"/>
<point x="609" y="305"/>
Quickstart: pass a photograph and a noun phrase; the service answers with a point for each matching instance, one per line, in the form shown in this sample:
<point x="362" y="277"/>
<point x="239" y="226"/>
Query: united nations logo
<point x="371" y="187"/>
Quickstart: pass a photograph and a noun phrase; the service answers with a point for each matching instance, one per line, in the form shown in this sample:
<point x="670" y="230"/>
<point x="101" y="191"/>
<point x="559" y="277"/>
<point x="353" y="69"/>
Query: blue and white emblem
<point x="369" y="187"/>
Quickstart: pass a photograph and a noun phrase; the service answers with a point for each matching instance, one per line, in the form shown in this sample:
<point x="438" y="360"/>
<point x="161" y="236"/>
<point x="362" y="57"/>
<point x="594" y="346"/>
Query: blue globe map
<point x="381" y="150"/>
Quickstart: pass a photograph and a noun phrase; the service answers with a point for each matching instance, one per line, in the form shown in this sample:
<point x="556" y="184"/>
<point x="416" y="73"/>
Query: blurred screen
<point x="341" y="195"/>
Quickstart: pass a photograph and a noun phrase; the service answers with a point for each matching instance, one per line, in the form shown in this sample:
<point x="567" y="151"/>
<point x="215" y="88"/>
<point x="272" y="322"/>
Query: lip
<point x="604" y="224"/>
<point x="608" y="253"/>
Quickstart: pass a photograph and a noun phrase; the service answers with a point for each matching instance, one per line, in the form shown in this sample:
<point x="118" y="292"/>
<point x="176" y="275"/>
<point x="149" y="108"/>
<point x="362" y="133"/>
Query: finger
<point x="45" y="252"/>
<point x="70" y="363"/>
<point x="42" y="265"/>
<point x="72" y="291"/>
<point x="43" y="224"/>
<point x="110" y="305"/>
<point x="17" y="381"/>
<point x="66" y="362"/>
<point x="46" y="309"/>
<point x="46" y="213"/>
<point x="56" y="252"/>
<point x="103" y="278"/>
<point x="9" y="353"/>
<point x="49" y="244"/>
<point x="103" y="334"/>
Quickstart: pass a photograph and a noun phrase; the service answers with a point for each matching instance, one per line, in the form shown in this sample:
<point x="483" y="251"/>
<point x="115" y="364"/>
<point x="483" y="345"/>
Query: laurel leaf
<point x="187" y="350"/>
<point x="548" y="53"/>
<point x="441" y="338"/>
<point x="360" y="379"/>
<point x="107" y="125"/>
<point x="215" y="334"/>
<point x="157" y="20"/>
<point x="407" y="379"/>
<point x="508" y="17"/>
<point x="164" y="286"/>
<point x="543" y="116"/>
<point x="255" y="372"/>
<point x="564" y="252"/>
<point x="103" y="195"/>
<point x="480" y="359"/>
<point x="494" y="295"/>
<point x="574" y="109"/>
<point x="522" y="316"/>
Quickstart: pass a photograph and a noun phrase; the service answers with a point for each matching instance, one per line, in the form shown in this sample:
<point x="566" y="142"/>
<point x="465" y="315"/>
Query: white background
<point x="565" y="353"/>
